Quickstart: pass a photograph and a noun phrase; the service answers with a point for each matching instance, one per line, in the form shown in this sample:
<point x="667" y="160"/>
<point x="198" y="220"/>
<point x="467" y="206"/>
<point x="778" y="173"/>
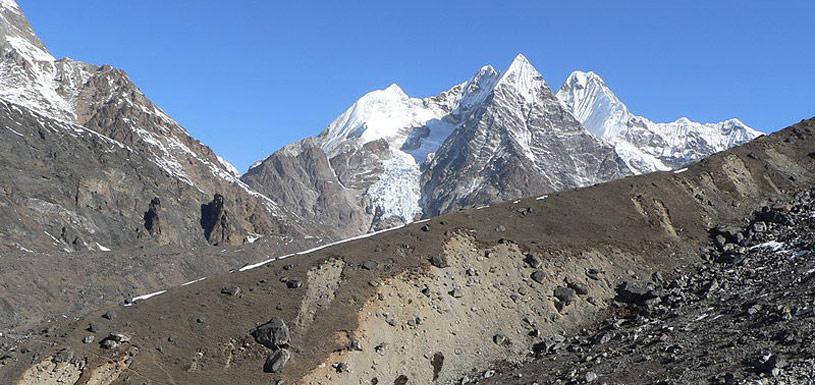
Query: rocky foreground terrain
<point x="742" y="314"/>
<point x="689" y="276"/>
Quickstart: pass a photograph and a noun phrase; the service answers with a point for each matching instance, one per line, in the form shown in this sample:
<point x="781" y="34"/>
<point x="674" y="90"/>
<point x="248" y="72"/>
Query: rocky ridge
<point x="646" y="146"/>
<point x="86" y="152"/>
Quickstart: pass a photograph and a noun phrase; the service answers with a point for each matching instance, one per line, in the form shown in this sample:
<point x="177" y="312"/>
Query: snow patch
<point x="774" y="245"/>
<point x="363" y="236"/>
<point x="193" y="281"/>
<point x="144" y="297"/>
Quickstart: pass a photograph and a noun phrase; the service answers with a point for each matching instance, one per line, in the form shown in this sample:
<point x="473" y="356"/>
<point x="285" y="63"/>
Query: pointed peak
<point x="487" y="70"/>
<point x="520" y="58"/>
<point x="16" y="33"/>
<point x="584" y="79"/>
<point x="523" y="77"/>
<point x="521" y="64"/>
<point x="391" y="91"/>
<point x="394" y="88"/>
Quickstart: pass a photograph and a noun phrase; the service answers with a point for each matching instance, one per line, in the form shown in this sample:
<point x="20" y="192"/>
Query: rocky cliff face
<point x="519" y="141"/>
<point x="86" y="151"/>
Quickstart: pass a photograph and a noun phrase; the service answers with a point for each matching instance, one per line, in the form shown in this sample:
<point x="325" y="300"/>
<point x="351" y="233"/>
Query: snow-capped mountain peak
<point x="645" y="145"/>
<point x="592" y="102"/>
<point x="478" y="87"/>
<point x="387" y="114"/>
<point x="523" y="78"/>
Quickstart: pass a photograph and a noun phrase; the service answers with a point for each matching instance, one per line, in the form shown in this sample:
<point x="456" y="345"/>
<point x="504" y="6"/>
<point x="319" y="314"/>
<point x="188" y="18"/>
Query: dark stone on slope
<point x="771" y="215"/>
<point x="273" y="334"/>
<point x="533" y="261"/>
<point x="439" y="261"/>
<point x="370" y="265"/>
<point x="538" y="276"/>
<point x="231" y="290"/>
<point x="578" y="287"/>
<point x="637" y="294"/>
<point x="276" y="361"/>
<point x="566" y="295"/>
<point x="64" y="355"/>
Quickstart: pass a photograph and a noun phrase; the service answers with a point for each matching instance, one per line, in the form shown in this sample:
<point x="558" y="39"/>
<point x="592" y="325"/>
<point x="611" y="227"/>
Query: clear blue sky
<point x="248" y="76"/>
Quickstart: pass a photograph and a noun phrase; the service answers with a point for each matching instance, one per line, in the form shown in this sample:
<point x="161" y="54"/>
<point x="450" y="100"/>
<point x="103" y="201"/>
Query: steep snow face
<point x="396" y="193"/>
<point x="413" y="129"/>
<point x="383" y="114"/>
<point x="523" y="79"/>
<point x="646" y="146"/>
<point x="592" y="103"/>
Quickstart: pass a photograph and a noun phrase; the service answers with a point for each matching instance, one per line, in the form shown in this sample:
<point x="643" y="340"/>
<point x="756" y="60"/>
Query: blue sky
<point x="249" y="76"/>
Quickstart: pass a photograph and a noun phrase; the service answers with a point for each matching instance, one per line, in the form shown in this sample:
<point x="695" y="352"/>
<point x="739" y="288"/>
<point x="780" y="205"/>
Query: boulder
<point x="533" y="261"/>
<point x="276" y="361"/>
<point x="273" y="334"/>
<point x="566" y="295"/>
<point x="538" y="276"/>
<point x="637" y="294"/>
<point x="439" y="261"/>
<point x="231" y="290"/>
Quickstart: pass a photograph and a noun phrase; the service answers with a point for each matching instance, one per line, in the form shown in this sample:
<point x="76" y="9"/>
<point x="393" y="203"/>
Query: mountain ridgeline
<point x="390" y="159"/>
<point x="87" y="153"/>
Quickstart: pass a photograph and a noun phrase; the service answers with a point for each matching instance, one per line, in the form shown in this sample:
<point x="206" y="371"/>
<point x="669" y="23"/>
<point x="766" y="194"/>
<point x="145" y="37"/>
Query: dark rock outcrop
<point x="219" y="228"/>
<point x="152" y="220"/>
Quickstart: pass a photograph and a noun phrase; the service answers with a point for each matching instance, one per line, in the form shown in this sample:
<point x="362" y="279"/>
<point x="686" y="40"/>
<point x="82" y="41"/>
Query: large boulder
<point x="273" y="334"/>
<point x="276" y="361"/>
<point x="638" y="294"/>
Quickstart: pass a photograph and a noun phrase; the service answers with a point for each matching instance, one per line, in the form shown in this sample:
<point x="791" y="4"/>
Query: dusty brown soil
<point x="632" y="227"/>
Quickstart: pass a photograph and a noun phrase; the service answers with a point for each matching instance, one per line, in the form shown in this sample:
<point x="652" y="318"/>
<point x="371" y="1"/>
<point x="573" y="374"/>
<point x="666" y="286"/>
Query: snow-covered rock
<point x="646" y="146"/>
<point x="518" y="142"/>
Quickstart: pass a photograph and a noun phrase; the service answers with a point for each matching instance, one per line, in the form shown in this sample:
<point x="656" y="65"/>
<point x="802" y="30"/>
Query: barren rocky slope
<point x="742" y="314"/>
<point x="85" y="153"/>
<point x="92" y="172"/>
<point x="430" y="302"/>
